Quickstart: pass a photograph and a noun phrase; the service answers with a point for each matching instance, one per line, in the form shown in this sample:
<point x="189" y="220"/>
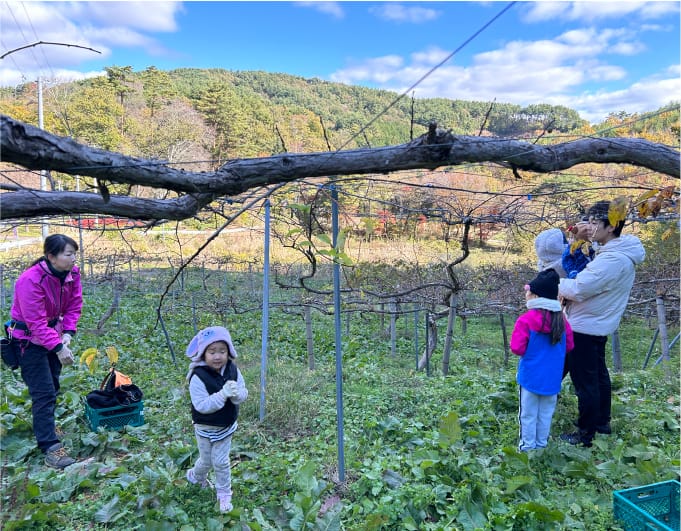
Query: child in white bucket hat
<point x="216" y="388"/>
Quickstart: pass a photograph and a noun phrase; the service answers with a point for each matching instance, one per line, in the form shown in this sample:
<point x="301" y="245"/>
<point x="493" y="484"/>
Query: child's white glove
<point x="229" y="389"/>
<point x="65" y="356"/>
<point x="66" y="339"/>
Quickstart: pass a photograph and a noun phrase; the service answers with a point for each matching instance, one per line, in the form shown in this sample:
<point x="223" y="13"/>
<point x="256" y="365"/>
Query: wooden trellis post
<point x="308" y="337"/>
<point x="505" y="336"/>
<point x="393" y="328"/>
<point x="650" y="349"/>
<point x="451" y="319"/>
<point x="431" y="342"/>
<point x="662" y="327"/>
<point x="265" y="311"/>
<point x="616" y="352"/>
<point x="196" y="330"/>
<point x="416" y="337"/>
<point x="2" y="287"/>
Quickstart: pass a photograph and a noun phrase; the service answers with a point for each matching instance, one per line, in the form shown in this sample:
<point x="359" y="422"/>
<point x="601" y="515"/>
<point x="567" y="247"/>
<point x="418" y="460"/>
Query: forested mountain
<point x="215" y="115"/>
<point x="345" y="110"/>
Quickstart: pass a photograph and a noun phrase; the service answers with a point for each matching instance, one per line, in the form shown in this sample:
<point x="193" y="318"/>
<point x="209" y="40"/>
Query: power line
<point x="9" y="7"/>
<point x="424" y="76"/>
<point x="23" y="76"/>
<point x="30" y="22"/>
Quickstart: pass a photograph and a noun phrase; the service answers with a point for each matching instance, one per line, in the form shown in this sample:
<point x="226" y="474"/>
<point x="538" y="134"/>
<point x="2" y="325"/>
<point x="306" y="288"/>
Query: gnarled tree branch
<point x="35" y="149"/>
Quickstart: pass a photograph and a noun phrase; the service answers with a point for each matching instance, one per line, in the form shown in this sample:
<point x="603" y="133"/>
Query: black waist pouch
<point x="10" y="350"/>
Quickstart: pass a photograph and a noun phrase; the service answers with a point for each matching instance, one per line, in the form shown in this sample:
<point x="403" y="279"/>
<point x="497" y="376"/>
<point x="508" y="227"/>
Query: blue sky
<point x="596" y="57"/>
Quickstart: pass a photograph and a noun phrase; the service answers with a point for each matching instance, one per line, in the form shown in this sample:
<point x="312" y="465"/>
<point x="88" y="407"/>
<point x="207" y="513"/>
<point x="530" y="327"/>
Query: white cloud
<point x="673" y="70"/>
<point x="99" y="26"/>
<point x="525" y="72"/>
<point x="402" y="13"/>
<point x="596" y="10"/>
<point x="542" y="11"/>
<point x="431" y="56"/>
<point x="644" y="96"/>
<point x="659" y="9"/>
<point x="628" y="48"/>
<point x="10" y="77"/>
<point x="328" y="8"/>
<point x="652" y="27"/>
<point x="572" y="47"/>
<point x="378" y="70"/>
<point x="145" y="16"/>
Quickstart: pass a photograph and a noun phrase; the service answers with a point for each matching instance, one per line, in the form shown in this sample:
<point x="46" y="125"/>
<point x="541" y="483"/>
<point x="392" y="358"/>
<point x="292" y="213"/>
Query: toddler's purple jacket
<point x="40" y="297"/>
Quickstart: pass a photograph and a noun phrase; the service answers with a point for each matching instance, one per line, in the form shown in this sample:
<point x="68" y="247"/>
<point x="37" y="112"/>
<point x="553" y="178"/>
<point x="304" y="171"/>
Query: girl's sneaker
<point x="190" y="477"/>
<point x="225" y="501"/>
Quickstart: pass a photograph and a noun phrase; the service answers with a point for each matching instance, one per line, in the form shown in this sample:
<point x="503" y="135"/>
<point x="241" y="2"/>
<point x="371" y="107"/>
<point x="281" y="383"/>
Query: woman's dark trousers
<point x="40" y="371"/>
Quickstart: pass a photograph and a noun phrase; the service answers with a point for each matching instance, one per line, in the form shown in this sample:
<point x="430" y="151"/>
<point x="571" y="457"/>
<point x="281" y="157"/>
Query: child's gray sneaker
<point x="192" y="479"/>
<point x="56" y="457"/>
<point x="225" y="501"/>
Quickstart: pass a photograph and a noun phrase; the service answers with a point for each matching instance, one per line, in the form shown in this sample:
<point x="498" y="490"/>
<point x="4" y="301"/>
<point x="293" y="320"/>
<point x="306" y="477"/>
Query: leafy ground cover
<point x="421" y="452"/>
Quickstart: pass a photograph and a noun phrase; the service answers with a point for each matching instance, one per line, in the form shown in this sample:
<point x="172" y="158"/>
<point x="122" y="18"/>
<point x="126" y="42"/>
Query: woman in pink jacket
<point x="48" y="298"/>
<point x="541" y="337"/>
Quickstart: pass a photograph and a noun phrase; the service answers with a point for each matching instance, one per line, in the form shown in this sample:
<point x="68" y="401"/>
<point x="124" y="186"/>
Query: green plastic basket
<point x="115" y="418"/>
<point x="651" y="507"/>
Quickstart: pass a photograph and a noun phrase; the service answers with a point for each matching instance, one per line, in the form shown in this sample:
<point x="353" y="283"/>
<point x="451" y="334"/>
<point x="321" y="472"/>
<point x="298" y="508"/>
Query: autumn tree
<point x="92" y="115"/>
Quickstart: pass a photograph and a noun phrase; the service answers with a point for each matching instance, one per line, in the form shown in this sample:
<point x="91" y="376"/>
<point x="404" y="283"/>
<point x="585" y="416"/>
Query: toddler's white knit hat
<point x="549" y="245"/>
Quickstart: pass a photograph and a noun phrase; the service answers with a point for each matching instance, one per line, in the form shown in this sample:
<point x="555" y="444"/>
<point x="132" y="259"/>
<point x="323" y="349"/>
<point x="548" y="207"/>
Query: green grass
<point x="421" y="452"/>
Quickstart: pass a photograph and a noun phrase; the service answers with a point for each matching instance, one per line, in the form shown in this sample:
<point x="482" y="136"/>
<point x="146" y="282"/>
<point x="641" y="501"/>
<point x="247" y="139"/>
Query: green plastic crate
<point x="115" y="418"/>
<point x="651" y="507"/>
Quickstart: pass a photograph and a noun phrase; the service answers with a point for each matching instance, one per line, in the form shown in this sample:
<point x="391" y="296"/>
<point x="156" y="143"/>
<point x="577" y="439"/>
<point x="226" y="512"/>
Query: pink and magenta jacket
<point x="541" y="365"/>
<point x="41" y="297"/>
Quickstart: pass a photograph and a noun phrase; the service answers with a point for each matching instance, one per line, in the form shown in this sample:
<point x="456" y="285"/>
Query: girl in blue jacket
<point x="541" y="337"/>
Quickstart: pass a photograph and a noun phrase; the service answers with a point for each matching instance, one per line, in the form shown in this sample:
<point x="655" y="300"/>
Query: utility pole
<point x="45" y="227"/>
